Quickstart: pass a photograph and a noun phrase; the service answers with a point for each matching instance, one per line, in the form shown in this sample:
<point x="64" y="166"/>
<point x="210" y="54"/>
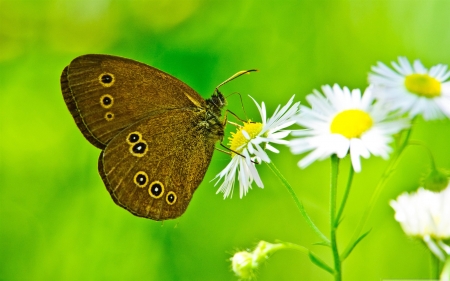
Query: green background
<point x="57" y="221"/>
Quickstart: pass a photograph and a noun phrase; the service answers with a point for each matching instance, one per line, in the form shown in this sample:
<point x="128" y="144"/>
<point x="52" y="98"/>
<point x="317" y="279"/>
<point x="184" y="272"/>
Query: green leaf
<point x="320" y="263"/>
<point x="351" y="246"/>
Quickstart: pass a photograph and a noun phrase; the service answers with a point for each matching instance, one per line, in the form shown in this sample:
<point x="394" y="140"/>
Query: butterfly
<point x="157" y="134"/>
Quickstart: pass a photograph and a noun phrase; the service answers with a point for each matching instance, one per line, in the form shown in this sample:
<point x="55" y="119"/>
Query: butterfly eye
<point x="106" y="101"/>
<point x="171" y="198"/>
<point x="156" y="189"/>
<point x="141" y="179"/>
<point x="109" y="116"/>
<point x="134" y="137"/>
<point x="106" y="79"/>
<point x="139" y="149"/>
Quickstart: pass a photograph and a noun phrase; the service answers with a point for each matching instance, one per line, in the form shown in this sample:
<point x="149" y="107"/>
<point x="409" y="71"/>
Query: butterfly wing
<point x="153" y="167"/>
<point x="105" y="94"/>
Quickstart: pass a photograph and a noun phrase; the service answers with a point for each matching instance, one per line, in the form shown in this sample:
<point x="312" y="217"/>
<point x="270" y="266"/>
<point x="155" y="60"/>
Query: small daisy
<point x="424" y="213"/>
<point x="413" y="89"/>
<point x="344" y="122"/>
<point x="250" y="141"/>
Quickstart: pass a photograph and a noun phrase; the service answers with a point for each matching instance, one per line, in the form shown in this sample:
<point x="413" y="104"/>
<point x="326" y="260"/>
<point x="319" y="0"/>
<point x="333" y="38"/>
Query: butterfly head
<point x="216" y="103"/>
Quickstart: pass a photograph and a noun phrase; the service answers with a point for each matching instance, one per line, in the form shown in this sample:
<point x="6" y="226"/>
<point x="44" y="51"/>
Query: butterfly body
<point x="157" y="134"/>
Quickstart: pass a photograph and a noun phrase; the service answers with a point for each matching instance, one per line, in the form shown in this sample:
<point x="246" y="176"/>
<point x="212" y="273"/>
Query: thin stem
<point x="314" y="258"/>
<point x="346" y="193"/>
<point x="434" y="266"/>
<point x="430" y="154"/>
<point x="298" y="203"/>
<point x="296" y="247"/>
<point x="445" y="272"/>
<point x="393" y="163"/>
<point x="333" y="222"/>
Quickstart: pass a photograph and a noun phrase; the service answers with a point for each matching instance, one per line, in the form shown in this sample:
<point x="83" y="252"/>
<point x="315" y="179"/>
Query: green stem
<point x="393" y="163"/>
<point x="298" y="203"/>
<point x="434" y="266"/>
<point x="346" y="193"/>
<point x="313" y="257"/>
<point x="430" y="153"/>
<point x="333" y="222"/>
<point x="445" y="272"/>
<point x="296" y="247"/>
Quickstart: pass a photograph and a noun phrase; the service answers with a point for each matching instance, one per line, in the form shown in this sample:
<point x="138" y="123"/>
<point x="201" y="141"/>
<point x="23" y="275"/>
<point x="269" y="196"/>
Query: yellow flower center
<point x="423" y="85"/>
<point x="238" y="141"/>
<point x="351" y="123"/>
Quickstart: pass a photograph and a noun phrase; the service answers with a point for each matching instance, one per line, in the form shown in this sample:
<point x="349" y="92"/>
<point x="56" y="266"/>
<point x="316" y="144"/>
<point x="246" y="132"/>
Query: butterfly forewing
<point x="106" y="94"/>
<point x="154" y="166"/>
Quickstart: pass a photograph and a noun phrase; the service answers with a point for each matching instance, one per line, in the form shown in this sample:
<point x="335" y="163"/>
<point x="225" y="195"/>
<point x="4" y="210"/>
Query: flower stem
<point x="313" y="257"/>
<point x="393" y="163"/>
<point x="434" y="266"/>
<point x="346" y="193"/>
<point x="445" y="272"/>
<point x="333" y="221"/>
<point x="428" y="150"/>
<point x="299" y="204"/>
<point x="295" y="247"/>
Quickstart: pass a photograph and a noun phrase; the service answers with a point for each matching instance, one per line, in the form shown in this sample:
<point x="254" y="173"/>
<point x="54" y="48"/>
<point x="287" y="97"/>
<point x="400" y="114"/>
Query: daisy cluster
<point x="340" y="121"/>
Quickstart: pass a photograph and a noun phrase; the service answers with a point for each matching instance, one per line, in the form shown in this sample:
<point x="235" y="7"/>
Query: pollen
<point x="351" y="123"/>
<point x="423" y="85"/>
<point x="238" y="141"/>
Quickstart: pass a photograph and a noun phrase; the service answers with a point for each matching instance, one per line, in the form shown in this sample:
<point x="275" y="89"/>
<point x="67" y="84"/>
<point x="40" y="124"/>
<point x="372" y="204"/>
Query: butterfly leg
<point x="230" y="151"/>
<point x="242" y="105"/>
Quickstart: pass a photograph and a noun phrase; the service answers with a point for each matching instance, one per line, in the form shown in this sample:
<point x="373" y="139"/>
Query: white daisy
<point x="250" y="141"/>
<point x="424" y="213"/>
<point x="344" y="122"/>
<point x="413" y="89"/>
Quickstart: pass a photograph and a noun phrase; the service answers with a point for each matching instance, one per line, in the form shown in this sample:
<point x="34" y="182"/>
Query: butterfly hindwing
<point x="153" y="167"/>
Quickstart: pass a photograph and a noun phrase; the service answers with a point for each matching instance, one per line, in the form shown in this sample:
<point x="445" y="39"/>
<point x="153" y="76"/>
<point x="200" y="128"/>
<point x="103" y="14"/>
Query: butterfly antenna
<point x="236" y="75"/>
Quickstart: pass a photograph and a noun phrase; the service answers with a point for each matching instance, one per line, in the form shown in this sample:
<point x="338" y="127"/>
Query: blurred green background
<point x="57" y="221"/>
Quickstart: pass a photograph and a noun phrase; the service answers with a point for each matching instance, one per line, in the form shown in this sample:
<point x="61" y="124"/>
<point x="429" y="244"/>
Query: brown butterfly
<point x="157" y="135"/>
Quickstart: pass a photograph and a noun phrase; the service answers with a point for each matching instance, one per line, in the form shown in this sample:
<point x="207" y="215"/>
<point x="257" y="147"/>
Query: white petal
<point x="280" y="135"/>
<point x="342" y="145"/>
<point x="355" y="153"/>
<point x="271" y="148"/>
<point x="246" y="135"/>
<point x="262" y="154"/>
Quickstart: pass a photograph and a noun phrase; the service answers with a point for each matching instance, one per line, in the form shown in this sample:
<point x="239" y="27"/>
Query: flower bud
<point x="436" y="180"/>
<point x="242" y="264"/>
